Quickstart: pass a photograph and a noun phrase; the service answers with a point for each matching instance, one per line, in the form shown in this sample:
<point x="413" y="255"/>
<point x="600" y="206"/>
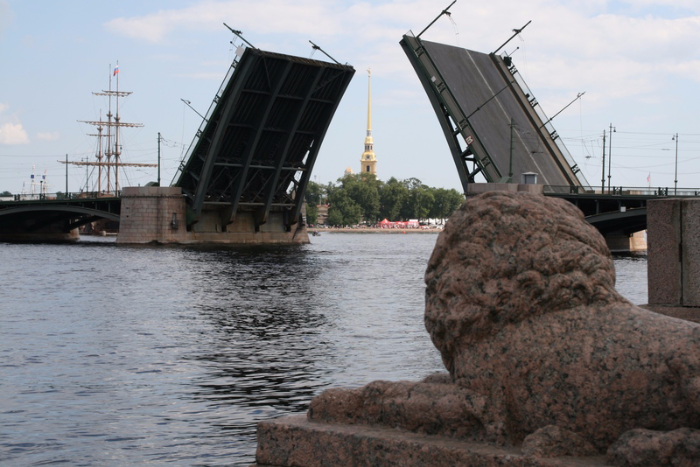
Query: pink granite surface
<point x="548" y="365"/>
<point x="664" y="272"/>
<point x="680" y="312"/>
<point x="690" y="252"/>
<point x="296" y="441"/>
<point x="520" y="301"/>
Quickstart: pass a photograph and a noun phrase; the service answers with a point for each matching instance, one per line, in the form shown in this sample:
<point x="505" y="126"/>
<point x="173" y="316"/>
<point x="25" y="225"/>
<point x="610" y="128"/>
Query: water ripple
<point x="144" y="356"/>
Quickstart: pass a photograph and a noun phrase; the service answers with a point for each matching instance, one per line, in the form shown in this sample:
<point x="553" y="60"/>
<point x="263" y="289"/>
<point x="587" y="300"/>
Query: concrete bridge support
<point x="623" y="242"/>
<point x="158" y="215"/>
<point x="152" y="214"/>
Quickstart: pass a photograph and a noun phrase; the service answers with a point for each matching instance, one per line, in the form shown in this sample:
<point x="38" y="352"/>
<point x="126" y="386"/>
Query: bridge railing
<point x="623" y="191"/>
<point x="548" y="124"/>
<point x="59" y="196"/>
<point x="205" y="119"/>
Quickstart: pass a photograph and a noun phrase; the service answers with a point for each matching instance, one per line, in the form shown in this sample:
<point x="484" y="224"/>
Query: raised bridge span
<point x="497" y="132"/>
<point x="253" y="155"/>
<point x="251" y="159"/>
<point x="244" y="176"/>
<point x="493" y="124"/>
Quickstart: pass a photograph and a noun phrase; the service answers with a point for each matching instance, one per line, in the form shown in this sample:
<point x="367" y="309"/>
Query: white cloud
<point x="3" y="107"/>
<point x="13" y="134"/>
<point x="48" y="136"/>
<point x="274" y="16"/>
<point x="610" y="51"/>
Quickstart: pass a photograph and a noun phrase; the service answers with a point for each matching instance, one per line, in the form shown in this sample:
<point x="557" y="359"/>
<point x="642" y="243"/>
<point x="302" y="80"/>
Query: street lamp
<point x="189" y="104"/>
<point x="602" y="177"/>
<point x="675" y="181"/>
<point x="612" y="129"/>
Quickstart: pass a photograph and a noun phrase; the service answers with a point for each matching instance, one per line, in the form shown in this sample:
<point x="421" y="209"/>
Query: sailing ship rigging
<point x="109" y="154"/>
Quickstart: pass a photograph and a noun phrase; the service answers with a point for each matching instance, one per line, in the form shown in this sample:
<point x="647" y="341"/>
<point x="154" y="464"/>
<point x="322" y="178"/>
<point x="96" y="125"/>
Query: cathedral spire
<point x="368" y="160"/>
<point x="369" y="102"/>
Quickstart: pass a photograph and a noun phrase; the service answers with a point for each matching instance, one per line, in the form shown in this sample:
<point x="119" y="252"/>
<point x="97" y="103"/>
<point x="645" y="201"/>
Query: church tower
<point x="368" y="162"/>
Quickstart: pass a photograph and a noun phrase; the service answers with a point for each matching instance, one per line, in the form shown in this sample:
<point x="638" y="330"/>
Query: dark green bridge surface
<point x="36" y="212"/>
<point x="261" y="137"/>
<point x="258" y="143"/>
<point x="492" y="122"/>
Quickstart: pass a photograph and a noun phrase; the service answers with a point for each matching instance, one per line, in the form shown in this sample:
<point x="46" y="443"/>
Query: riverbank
<point x="374" y="230"/>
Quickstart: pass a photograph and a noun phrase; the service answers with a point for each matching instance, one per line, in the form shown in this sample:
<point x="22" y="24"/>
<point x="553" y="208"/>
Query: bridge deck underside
<point x="33" y="215"/>
<point x="259" y="146"/>
<point x="473" y="78"/>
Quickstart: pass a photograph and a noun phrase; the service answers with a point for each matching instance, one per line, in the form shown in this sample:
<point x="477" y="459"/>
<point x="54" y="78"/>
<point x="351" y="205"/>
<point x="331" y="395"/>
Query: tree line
<point x="362" y="197"/>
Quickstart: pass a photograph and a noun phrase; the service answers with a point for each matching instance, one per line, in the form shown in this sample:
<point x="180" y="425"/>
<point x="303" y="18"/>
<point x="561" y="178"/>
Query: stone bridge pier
<point x="154" y="214"/>
<point x="673" y="262"/>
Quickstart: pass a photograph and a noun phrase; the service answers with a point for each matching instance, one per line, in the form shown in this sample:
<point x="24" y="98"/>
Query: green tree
<point x="393" y="196"/>
<point x="422" y="200"/>
<point x="446" y="202"/>
<point x="410" y="207"/>
<point x="311" y="213"/>
<point x="315" y="193"/>
<point x="363" y="189"/>
<point x="343" y="210"/>
<point x="454" y="200"/>
<point x="5" y="193"/>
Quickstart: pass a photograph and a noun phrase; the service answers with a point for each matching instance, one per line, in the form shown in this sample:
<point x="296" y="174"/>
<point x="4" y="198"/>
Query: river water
<point x="113" y="355"/>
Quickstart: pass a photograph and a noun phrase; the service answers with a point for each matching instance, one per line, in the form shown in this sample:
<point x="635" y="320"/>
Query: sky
<point x="637" y="61"/>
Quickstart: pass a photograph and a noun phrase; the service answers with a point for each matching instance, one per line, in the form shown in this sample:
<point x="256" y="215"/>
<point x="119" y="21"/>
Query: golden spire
<point x="368" y="160"/>
<point x="369" y="102"/>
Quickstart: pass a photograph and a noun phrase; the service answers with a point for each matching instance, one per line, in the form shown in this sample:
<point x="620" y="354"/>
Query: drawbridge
<point x="494" y="126"/>
<point x="258" y="143"/>
<point x="243" y="177"/>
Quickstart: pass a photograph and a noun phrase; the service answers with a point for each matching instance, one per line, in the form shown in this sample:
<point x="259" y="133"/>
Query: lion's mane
<point x="506" y="257"/>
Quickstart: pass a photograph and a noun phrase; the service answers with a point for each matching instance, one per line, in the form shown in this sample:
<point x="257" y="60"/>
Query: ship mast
<point x="99" y="154"/>
<point x="113" y="121"/>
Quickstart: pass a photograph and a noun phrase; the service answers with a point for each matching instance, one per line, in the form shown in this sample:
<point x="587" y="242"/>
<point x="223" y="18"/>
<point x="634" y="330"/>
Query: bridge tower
<point x="369" y="158"/>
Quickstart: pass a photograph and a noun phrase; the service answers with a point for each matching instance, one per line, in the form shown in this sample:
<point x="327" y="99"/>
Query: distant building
<point x="368" y="162"/>
<point x="348" y="171"/>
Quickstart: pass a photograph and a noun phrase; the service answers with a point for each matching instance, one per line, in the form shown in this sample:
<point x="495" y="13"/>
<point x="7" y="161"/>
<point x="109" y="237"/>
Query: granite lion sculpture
<point x="521" y="304"/>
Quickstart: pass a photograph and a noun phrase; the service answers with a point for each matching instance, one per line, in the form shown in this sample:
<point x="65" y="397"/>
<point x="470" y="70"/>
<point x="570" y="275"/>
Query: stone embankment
<point x="547" y="365"/>
<point x="373" y="230"/>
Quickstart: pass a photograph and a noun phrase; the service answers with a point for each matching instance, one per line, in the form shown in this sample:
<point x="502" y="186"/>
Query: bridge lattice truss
<point x="493" y="124"/>
<point x="261" y="137"/>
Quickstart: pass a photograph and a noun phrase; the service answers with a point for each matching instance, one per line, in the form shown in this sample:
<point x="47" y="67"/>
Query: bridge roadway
<point x="49" y="218"/>
<point x="622" y="211"/>
<point x="249" y="162"/>
<point x="493" y="124"/>
<point x="255" y="150"/>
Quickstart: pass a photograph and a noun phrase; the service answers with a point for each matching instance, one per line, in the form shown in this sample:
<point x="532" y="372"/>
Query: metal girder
<point x="59" y="208"/>
<point x="211" y="155"/>
<point x="479" y="97"/>
<point x="257" y="148"/>
<point x="343" y="80"/>
<point x="263" y="213"/>
<point x="628" y="222"/>
<point x="258" y="127"/>
<point x="450" y="115"/>
<point x="547" y="138"/>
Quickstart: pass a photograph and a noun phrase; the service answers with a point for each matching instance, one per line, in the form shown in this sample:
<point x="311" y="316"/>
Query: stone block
<point x="664" y="269"/>
<point x="548" y="365"/>
<point x="296" y="441"/>
<point x="690" y="252"/>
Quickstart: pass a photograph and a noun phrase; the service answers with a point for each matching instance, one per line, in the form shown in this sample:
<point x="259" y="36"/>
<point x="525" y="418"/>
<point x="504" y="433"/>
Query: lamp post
<point x="602" y="177"/>
<point x="675" y="178"/>
<point x="612" y="129"/>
